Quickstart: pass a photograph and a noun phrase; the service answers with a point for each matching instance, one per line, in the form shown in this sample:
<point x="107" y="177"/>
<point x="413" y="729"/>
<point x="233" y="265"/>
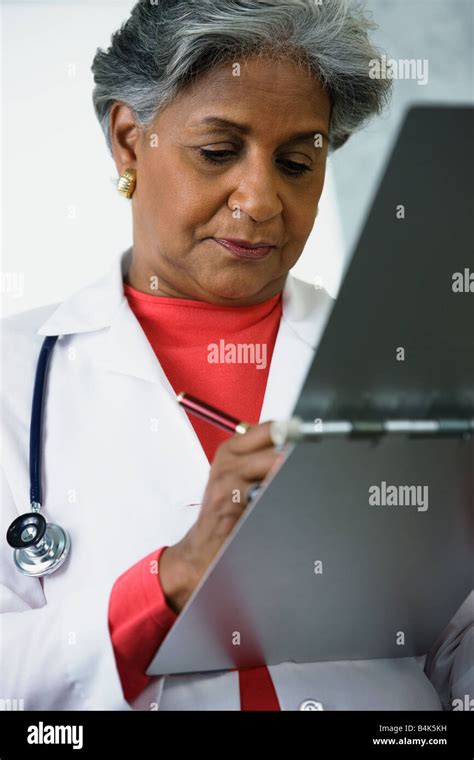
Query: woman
<point x="219" y="117"/>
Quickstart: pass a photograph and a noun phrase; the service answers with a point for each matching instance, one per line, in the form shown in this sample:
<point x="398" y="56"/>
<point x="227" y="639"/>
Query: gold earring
<point x="126" y="183"/>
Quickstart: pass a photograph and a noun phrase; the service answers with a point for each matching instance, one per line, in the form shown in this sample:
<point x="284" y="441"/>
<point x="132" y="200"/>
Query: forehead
<point x="273" y="95"/>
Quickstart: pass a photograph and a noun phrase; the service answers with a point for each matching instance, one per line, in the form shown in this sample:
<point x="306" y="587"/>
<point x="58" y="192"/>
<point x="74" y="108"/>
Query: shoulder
<point x="313" y="294"/>
<point x="25" y="322"/>
<point x="306" y="304"/>
<point x="20" y="331"/>
<point x="21" y="345"/>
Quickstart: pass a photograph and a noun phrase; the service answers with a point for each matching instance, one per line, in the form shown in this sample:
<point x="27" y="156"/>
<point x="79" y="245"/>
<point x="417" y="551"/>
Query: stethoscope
<point x="40" y="547"/>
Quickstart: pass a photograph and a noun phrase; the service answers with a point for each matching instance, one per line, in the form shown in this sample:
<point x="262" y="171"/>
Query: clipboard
<point x="336" y="559"/>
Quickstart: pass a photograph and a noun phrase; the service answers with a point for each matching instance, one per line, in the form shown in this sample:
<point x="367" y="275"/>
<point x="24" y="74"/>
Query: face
<point x="234" y="157"/>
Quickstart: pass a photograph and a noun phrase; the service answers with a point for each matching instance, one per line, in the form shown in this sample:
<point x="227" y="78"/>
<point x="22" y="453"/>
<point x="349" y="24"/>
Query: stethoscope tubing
<point x="36" y="424"/>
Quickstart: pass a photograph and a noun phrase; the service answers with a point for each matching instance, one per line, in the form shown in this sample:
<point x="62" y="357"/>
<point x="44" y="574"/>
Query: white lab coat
<point x="124" y="472"/>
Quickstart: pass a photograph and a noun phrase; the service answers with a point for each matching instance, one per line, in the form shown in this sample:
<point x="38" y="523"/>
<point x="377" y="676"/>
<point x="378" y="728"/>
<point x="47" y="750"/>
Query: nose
<point x="256" y="190"/>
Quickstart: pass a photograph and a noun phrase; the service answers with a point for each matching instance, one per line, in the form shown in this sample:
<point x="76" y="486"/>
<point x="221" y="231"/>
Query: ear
<point x="123" y="136"/>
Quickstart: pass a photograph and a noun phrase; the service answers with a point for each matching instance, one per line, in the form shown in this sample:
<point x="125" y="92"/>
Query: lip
<point x="246" y="249"/>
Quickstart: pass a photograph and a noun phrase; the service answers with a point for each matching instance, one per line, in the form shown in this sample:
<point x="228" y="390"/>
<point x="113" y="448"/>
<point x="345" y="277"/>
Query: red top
<point x="212" y="352"/>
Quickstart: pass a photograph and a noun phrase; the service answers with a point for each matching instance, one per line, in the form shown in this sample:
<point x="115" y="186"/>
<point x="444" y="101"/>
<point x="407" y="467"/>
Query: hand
<point x="239" y="462"/>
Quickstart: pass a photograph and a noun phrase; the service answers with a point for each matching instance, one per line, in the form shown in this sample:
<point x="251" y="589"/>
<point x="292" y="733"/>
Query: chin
<point x="225" y="296"/>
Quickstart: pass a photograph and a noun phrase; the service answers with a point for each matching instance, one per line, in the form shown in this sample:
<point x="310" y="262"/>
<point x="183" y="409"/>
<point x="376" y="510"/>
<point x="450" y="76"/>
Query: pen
<point x="211" y="414"/>
<point x="280" y="432"/>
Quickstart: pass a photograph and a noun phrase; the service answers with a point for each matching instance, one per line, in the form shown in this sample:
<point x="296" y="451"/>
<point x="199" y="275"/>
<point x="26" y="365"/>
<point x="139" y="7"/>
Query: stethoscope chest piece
<point x="40" y="547"/>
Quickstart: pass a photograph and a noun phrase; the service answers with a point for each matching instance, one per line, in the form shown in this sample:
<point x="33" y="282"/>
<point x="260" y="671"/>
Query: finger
<point x="256" y="437"/>
<point x="247" y="468"/>
<point x="255" y="467"/>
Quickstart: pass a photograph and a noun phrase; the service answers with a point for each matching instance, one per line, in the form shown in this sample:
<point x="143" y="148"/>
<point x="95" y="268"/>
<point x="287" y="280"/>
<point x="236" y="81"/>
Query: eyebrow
<point x="220" y="123"/>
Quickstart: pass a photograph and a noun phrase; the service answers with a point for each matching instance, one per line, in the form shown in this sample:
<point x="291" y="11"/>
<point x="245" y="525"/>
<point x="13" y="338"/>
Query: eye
<point x="295" y="169"/>
<point x="292" y="168"/>
<point x="216" y="156"/>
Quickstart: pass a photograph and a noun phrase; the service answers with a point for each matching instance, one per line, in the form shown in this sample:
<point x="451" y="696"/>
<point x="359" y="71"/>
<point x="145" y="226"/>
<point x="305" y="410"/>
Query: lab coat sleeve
<point x="53" y="656"/>
<point x="450" y="663"/>
<point x="139" y="619"/>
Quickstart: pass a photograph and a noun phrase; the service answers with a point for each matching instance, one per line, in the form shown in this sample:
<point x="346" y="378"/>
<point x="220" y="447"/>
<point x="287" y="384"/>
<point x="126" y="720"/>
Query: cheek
<point x="165" y="204"/>
<point x="182" y="198"/>
<point x="300" y="217"/>
<point x="306" y="208"/>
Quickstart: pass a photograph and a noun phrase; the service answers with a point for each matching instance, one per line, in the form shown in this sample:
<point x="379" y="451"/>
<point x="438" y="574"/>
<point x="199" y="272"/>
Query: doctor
<point x="222" y="151"/>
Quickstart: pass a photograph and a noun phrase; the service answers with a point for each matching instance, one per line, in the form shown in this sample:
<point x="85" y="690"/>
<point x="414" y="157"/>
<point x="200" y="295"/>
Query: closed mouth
<point x="244" y="249"/>
<point x="246" y="243"/>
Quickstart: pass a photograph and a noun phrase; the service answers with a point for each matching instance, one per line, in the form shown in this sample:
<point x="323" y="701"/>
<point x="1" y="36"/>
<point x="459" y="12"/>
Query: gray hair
<point x="166" y="44"/>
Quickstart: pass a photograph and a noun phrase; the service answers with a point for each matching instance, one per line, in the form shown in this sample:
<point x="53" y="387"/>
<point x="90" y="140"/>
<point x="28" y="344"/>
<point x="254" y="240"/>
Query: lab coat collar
<point x="94" y="306"/>
<point x="103" y="304"/>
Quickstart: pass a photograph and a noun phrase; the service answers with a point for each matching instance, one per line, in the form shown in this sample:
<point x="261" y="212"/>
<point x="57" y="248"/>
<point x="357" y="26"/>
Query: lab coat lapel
<point x="126" y="350"/>
<point x="290" y="361"/>
<point x="304" y="316"/>
<point x="129" y="352"/>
